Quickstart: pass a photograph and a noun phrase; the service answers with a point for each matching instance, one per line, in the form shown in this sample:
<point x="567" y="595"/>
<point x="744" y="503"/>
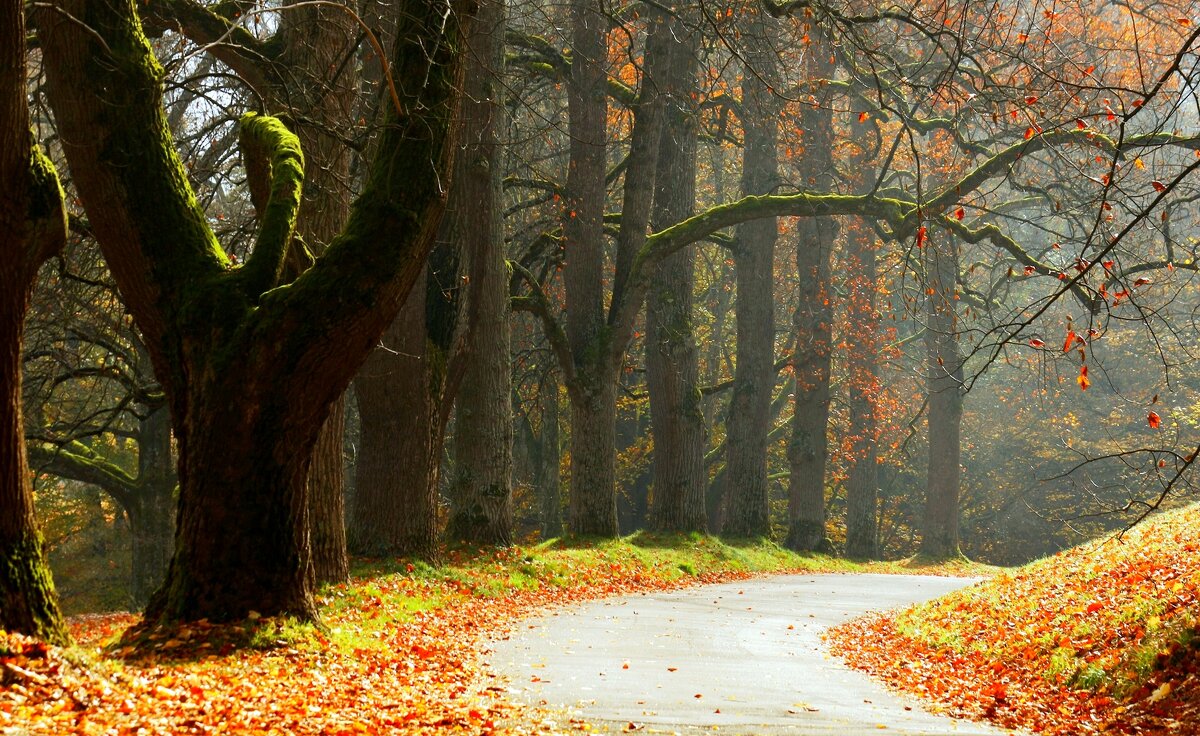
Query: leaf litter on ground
<point x="1101" y="638"/>
<point x="399" y="651"/>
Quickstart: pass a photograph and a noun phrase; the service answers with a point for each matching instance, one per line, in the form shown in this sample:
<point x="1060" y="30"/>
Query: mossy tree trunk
<point x="32" y="228"/>
<point x="672" y="357"/>
<point x="812" y="320"/>
<point x="481" y="509"/>
<point x="746" y="509"/>
<point x="250" y="362"/>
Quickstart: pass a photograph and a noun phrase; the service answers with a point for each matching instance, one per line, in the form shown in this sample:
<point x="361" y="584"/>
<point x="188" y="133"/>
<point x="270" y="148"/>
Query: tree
<point x="672" y="366"/>
<point x="33" y="226"/>
<point x="812" y="321"/>
<point x="250" y="361"/>
<point x="745" y="503"/>
<point x="481" y="488"/>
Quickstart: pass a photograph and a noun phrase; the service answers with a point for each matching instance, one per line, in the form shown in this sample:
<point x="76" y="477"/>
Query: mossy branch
<point x="216" y="28"/>
<point x="275" y="171"/>
<point x="76" y="461"/>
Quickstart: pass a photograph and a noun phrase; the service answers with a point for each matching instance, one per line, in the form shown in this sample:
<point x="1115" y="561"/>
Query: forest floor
<point x="1102" y="638"/>
<point x="399" y="652"/>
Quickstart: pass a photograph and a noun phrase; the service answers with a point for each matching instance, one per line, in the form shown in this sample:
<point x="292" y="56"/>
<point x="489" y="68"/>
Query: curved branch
<point x="275" y="172"/>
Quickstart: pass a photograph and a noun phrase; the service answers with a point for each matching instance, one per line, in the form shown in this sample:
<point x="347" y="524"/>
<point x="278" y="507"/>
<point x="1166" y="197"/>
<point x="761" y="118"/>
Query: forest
<point x="290" y="285"/>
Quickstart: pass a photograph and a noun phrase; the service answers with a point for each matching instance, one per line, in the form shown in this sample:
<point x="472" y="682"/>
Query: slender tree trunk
<point x="152" y="507"/>
<point x="746" y="503"/>
<point x="321" y="91"/>
<point x="547" y="463"/>
<point x="812" y="321"/>
<point x="32" y="228"/>
<point x="395" y="508"/>
<point x="862" y="385"/>
<point x="593" y="505"/>
<point x="672" y="358"/>
<point x="481" y="491"/>
<point x="944" y="379"/>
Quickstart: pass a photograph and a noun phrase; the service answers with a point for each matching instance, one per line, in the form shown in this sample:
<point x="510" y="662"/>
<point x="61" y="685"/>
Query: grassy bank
<point x="1098" y="638"/>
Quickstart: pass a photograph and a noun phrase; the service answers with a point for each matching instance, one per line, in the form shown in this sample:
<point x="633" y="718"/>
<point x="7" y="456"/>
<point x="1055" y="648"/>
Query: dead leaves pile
<point x="1098" y="639"/>
<point x="424" y="677"/>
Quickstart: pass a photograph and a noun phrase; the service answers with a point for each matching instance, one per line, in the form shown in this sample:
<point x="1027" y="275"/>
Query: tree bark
<point x="481" y="490"/>
<point x="944" y="381"/>
<point x="32" y="228"/>
<point x="812" y="320"/>
<point x="862" y="385"/>
<point x="672" y="358"/>
<point x="746" y="502"/>
<point x="250" y="370"/>
<point x="395" y="509"/>
<point x="548" y="462"/>
<point x="151" y="508"/>
<point x="593" y="506"/>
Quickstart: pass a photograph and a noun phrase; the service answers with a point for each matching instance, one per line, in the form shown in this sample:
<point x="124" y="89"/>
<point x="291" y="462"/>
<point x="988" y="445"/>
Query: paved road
<point x="740" y="658"/>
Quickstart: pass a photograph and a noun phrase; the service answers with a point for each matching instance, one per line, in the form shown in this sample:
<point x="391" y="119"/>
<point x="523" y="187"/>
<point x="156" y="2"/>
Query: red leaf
<point x="1035" y="342"/>
<point x="921" y="236"/>
<point x="1158" y="186"/>
<point x="1069" y="341"/>
<point x="1154" y="420"/>
<point x="1031" y="99"/>
<point x="863" y="117"/>
<point x="959" y="214"/>
<point x="1083" y="380"/>
<point x="1141" y="281"/>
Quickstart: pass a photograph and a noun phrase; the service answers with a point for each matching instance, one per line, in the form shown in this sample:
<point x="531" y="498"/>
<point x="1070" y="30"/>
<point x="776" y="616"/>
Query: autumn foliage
<point x="400" y="651"/>
<point x="1100" y="638"/>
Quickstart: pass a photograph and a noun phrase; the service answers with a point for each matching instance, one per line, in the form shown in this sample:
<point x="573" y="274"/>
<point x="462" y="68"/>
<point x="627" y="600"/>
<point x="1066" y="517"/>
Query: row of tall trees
<point x="415" y="177"/>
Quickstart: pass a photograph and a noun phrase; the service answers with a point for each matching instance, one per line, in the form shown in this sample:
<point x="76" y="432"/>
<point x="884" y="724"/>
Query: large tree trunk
<point x="944" y="381"/>
<point x="593" y="505"/>
<point x="812" y="321"/>
<point x="151" y="508"/>
<point x="32" y="228"/>
<point x="746" y="503"/>
<point x="672" y="358"/>
<point x="862" y="387"/>
<point x="250" y="370"/>
<point x="481" y="490"/>
<point x="395" y="501"/>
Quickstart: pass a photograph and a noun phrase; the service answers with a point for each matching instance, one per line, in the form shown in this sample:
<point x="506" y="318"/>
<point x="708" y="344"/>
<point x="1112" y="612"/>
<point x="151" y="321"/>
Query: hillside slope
<point x="1099" y="638"/>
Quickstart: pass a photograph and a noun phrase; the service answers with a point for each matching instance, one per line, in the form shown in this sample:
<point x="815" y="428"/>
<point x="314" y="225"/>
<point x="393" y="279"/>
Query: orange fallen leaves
<point x="425" y="678"/>
<point x="1054" y="647"/>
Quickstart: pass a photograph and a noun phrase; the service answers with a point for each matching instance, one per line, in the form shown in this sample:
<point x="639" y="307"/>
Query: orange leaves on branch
<point x="921" y="234"/>
<point x="1083" y="380"/>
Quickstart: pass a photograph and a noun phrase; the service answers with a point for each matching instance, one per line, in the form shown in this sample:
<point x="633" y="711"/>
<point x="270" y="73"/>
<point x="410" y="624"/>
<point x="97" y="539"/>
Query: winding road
<point x="738" y="658"/>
